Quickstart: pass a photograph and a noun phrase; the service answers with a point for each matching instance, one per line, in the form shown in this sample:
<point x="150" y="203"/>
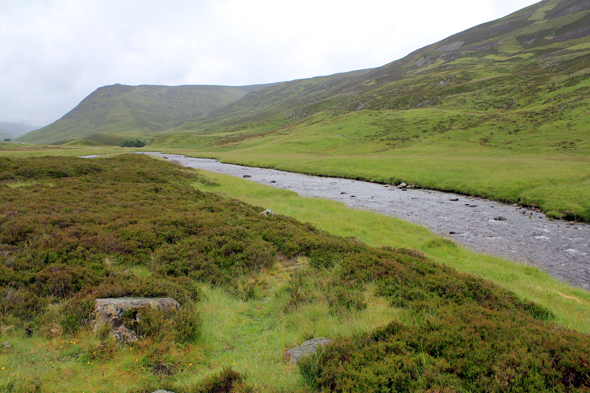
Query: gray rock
<point x="162" y="391"/>
<point x="6" y="345"/>
<point x="402" y="185"/>
<point x="268" y="212"/>
<point x="110" y="312"/>
<point x="307" y="348"/>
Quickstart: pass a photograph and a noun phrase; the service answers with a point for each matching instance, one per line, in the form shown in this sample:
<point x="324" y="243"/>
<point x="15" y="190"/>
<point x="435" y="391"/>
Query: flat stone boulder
<point x="307" y="348"/>
<point x="110" y="312"/>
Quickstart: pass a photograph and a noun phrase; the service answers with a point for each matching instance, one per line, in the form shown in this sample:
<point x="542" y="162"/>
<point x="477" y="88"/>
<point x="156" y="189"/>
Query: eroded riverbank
<point x="515" y="233"/>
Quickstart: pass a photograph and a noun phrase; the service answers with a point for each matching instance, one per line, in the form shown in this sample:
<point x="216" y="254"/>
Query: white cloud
<point x="55" y="52"/>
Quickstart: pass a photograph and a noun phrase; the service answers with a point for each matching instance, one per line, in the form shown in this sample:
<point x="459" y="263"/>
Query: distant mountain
<point x="119" y="111"/>
<point x="12" y="130"/>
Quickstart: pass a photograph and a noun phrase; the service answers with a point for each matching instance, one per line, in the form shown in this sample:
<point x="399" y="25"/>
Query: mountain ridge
<point x="135" y="111"/>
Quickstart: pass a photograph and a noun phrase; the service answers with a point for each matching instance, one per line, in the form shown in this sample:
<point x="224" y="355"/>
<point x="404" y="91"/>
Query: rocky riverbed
<point x="522" y="235"/>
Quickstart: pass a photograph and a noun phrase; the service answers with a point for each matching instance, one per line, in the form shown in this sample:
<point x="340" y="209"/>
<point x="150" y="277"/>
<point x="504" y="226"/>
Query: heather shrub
<point x="182" y="326"/>
<point x="133" y="226"/>
<point x="76" y="313"/>
<point x="187" y="325"/>
<point x="226" y="381"/>
<point x="460" y="348"/>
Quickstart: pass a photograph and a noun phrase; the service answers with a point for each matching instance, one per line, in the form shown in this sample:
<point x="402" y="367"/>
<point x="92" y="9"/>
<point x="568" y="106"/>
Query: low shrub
<point x="187" y="325"/>
<point x="461" y="348"/>
<point x="225" y="381"/>
<point x="132" y="143"/>
<point x="76" y="313"/>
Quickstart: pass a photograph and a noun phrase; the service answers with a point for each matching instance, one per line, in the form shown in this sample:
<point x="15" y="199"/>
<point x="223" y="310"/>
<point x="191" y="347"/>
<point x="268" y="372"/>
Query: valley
<point x="427" y="217"/>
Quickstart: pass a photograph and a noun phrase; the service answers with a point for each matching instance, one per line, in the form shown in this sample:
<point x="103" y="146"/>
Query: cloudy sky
<point x="53" y="53"/>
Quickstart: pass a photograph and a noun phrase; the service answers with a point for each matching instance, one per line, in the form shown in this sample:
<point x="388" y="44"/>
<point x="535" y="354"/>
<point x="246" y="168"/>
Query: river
<point x="518" y="234"/>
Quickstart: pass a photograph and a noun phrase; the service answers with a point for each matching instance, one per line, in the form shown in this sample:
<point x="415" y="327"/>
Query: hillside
<point x="118" y="111"/>
<point x="532" y="64"/>
<point x="500" y="110"/>
<point x="250" y="287"/>
<point x="274" y="106"/>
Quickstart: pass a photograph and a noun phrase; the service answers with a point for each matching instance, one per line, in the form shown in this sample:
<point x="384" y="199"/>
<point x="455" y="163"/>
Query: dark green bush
<point x="20" y="303"/>
<point x="223" y="382"/>
<point x="187" y="326"/>
<point x="76" y="313"/>
<point x="149" y="322"/>
<point x="459" y="348"/>
<point x="132" y="143"/>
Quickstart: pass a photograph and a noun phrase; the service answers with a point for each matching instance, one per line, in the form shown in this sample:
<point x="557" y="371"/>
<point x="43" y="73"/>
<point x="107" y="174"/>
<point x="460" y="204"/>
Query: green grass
<point x="248" y="336"/>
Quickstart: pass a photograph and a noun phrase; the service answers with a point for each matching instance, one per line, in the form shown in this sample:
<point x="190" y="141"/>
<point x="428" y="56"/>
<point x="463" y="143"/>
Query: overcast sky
<point x="53" y="53"/>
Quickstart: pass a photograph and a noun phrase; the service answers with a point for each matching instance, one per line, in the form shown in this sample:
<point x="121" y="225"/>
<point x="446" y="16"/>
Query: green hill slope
<point x="534" y="60"/>
<point x="274" y="106"/>
<point x="136" y="110"/>
<point x="501" y="110"/>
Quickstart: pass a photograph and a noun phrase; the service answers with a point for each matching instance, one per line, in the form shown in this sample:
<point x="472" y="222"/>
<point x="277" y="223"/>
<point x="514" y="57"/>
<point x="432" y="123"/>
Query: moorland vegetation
<point x="73" y="230"/>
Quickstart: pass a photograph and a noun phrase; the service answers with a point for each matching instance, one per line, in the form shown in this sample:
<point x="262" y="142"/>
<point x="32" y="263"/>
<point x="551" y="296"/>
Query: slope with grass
<point x="536" y="58"/>
<point x="119" y="111"/>
<point x="501" y="110"/>
<point x="251" y="286"/>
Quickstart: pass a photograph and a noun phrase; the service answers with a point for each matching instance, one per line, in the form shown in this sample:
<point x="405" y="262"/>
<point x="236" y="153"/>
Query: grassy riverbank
<point x="557" y="181"/>
<point x="570" y="305"/>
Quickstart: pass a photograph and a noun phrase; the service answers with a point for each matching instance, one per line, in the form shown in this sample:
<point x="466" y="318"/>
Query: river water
<point x="518" y="234"/>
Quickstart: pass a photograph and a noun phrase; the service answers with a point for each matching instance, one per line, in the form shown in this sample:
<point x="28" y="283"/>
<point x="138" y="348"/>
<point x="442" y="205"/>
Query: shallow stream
<point x="522" y="235"/>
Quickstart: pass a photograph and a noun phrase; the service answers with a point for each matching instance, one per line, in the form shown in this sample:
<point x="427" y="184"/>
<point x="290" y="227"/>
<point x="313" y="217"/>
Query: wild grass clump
<point x="226" y="381"/>
<point x="182" y="326"/>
